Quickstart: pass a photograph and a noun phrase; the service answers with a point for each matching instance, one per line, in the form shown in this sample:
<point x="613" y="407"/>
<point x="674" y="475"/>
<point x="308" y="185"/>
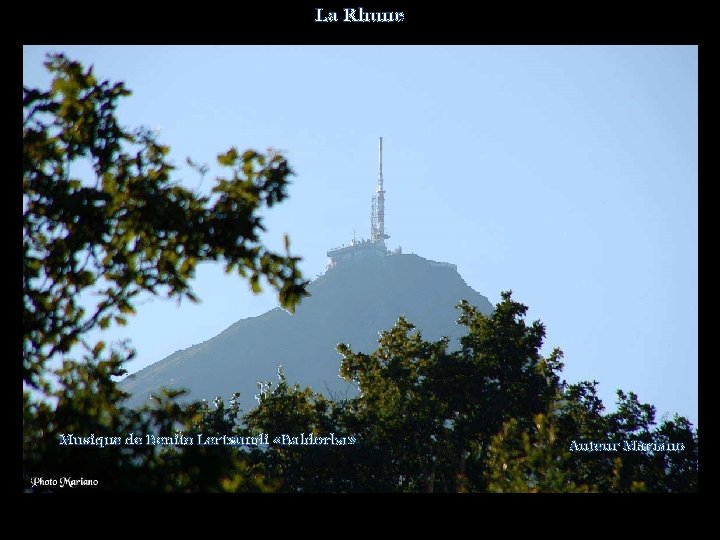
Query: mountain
<point x="350" y="303"/>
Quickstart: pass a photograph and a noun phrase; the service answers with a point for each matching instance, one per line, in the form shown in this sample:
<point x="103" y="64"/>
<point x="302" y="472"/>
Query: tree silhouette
<point x="127" y="230"/>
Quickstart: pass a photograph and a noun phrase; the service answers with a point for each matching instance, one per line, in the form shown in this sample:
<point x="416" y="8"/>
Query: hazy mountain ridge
<point x="350" y="303"/>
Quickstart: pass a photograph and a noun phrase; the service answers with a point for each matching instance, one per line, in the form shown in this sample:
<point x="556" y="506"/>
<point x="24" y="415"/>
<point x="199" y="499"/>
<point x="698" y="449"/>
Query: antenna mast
<point x="377" y="219"/>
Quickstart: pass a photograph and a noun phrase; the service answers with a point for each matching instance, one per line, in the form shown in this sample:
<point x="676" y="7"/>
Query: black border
<point x="439" y="23"/>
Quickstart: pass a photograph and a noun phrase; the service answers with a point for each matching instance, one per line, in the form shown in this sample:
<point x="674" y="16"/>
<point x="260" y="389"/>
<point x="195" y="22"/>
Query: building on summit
<point x="375" y="246"/>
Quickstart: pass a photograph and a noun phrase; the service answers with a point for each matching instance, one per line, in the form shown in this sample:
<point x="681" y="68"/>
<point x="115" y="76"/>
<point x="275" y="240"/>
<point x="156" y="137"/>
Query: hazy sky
<point x="567" y="174"/>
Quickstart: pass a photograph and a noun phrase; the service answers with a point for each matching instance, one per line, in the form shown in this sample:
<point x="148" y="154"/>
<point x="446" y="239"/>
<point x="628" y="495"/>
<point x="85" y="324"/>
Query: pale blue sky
<point x="567" y="174"/>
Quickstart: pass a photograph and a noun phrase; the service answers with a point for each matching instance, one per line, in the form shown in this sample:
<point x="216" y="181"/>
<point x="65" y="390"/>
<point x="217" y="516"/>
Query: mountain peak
<point x="365" y="289"/>
<point x="351" y="303"/>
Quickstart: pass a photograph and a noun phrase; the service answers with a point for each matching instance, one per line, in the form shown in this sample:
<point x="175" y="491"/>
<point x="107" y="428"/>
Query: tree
<point x="545" y="457"/>
<point x="399" y="415"/>
<point x="530" y="461"/>
<point x="128" y="230"/>
<point x="494" y="416"/>
<point x="425" y="417"/>
<point x="302" y="414"/>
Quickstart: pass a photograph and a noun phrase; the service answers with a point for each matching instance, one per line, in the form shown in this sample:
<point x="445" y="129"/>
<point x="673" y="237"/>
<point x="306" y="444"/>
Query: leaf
<point x="99" y="346"/>
<point x="228" y="158"/>
<point x="127" y="308"/>
<point x="255" y="284"/>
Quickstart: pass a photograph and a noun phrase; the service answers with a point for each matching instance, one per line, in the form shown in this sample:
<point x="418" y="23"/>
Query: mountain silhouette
<point x="351" y="303"/>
